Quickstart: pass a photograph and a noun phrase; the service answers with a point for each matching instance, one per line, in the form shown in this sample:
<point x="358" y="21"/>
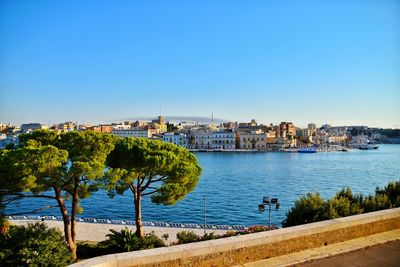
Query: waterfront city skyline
<point x="98" y="62"/>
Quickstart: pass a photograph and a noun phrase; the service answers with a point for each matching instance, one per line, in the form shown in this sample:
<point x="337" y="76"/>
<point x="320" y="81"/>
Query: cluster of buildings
<point x="225" y="136"/>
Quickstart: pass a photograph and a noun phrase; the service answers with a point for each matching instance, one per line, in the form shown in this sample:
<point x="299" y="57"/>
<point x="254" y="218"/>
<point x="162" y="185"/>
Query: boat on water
<point x="368" y="146"/>
<point x="310" y="149"/>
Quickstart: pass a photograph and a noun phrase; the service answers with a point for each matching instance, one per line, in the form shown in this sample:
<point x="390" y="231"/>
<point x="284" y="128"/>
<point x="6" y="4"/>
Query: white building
<point x="223" y="140"/>
<point x="176" y="138"/>
<point x="201" y="140"/>
<point x="29" y="127"/>
<point x="122" y="126"/>
<point x="145" y="133"/>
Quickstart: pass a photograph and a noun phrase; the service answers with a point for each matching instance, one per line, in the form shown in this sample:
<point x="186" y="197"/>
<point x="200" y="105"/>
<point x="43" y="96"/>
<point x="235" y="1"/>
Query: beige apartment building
<point x="255" y="140"/>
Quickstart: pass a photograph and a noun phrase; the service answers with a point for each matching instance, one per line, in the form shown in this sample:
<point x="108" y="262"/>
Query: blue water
<point x="234" y="184"/>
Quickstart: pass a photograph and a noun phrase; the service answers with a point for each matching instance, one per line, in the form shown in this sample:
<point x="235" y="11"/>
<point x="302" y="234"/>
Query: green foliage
<point x="392" y="191"/>
<point x="313" y="208"/>
<point x="307" y="209"/>
<point x="150" y="240"/>
<point x="258" y="228"/>
<point x="210" y="236"/>
<point x="173" y="170"/>
<point x="230" y="233"/>
<point x="162" y="170"/>
<point x="39" y="138"/>
<point x="187" y="237"/>
<point x="126" y="240"/>
<point x="190" y="236"/>
<point x="90" y="250"/>
<point x="29" y="168"/>
<point x="341" y="207"/>
<point x="35" y="245"/>
<point x="70" y="164"/>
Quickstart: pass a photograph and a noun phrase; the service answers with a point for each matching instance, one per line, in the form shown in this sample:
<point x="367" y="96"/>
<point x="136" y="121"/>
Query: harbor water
<point x="233" y="184"/>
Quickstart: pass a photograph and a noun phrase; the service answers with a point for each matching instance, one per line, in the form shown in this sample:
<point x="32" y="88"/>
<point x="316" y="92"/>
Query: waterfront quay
<point x="228" y="137"/>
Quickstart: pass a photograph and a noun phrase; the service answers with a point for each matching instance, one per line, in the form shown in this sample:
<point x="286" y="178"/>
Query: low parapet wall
<point x="252" y="247"/>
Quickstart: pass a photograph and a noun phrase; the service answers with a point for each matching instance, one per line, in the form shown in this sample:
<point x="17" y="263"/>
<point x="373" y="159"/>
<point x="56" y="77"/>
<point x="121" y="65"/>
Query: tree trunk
<point x="75" y="204"/>
<point x="138" y="215"/>
<point x="67" y="223"/>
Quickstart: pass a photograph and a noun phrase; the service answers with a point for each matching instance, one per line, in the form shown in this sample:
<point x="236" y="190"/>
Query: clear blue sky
<point x="334" y="62"/>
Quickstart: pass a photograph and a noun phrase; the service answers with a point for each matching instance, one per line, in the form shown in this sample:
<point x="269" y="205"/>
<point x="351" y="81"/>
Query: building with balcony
<point x="223" y="140"/>
<point x="144" y="133"/>
<point x="255" y="140"/>
<point x="178" y="139"/>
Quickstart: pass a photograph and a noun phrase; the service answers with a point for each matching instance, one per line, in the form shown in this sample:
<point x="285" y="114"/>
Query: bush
<point x="258" y="228"/>
<point x="150" y="240"/>
<point x="89" y="250"/>
<point x="190" y="237"/>
<point x="392" y="191"/>
<point x="312" y="208"/>
<point x="123" y="241"/>
<point x="210" y="236"/>
<point x="307" y="209"/>
<point x="231" y="233"/>
<point x="126" y="240"/>
<point x="187" y="237"/>
<point x="35" y="245"/>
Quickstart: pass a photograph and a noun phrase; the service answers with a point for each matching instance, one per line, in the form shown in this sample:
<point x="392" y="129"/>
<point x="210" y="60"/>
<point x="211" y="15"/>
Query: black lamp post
<point x="268" y="202"/>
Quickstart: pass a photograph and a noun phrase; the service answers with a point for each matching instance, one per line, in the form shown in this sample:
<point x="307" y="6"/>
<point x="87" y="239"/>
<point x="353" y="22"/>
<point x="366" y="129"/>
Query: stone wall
<point x="248" y="248"/>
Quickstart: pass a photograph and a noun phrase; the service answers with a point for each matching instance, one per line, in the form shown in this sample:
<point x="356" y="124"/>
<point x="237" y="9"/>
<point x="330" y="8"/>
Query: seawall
<point x="253" y="247"/>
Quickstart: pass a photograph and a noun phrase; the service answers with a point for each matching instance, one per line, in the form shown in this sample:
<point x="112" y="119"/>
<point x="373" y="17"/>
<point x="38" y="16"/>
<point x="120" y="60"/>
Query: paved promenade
<point x="384" y="255"/>
<point x="97" y="232"/>
<point x="372" y="250"/>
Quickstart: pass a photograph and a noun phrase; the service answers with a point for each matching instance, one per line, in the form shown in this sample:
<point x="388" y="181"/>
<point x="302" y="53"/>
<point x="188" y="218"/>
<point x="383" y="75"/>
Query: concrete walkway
<point x="97" y="232"/>
<point x="314" y="254"/>
<point x="383" y="255"/>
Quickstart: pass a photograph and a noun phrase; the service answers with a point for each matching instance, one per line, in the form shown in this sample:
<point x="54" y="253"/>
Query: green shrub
<point x="123" y="241"/>
<point x="88" y="250"/>
<point x="126" y="240"/>
<point x="150" y="240"/>
<point x="210" y="236"/>
<point x="392" y="191"/>
<point x="230" y="233"/>
<point x="258" y="228"/>
<point x="307" y="209"/>
<point x="187" y="237"/>
<point x="312" y="208"/>
<point x="35" y="245"/>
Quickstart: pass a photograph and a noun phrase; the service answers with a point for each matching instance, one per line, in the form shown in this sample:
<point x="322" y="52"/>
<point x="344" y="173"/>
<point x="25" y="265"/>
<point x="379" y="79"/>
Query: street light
<point x="205" y="215"/>
<point x="268" y="202"/>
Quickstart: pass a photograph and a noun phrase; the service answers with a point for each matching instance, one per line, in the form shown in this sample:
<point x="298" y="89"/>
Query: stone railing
<point x="252" y="247"/>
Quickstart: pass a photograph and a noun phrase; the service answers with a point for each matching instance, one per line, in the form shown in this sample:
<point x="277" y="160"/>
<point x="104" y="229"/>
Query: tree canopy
<point x="163" y="170"/>
<point x="70" y="165"/>
<point x="312" y="208"/>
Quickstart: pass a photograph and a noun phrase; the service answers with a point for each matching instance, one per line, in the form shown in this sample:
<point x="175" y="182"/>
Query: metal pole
<point x="269" y="216"/>
<point x="205" y="215"/>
